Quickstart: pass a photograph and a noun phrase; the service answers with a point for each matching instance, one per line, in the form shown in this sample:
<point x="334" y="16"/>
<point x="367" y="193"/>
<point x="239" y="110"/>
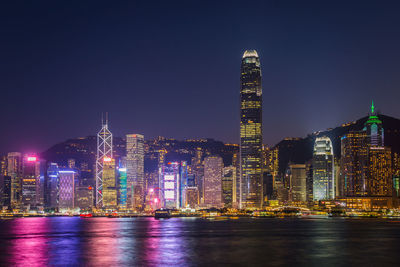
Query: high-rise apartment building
<point x="135" y="170"/>
<point x="213" y="167"/>
<point x="251" y="195"/>
<point x="323" y="169"/>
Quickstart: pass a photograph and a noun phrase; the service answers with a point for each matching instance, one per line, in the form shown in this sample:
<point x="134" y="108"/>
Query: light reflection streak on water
<point x="102" y="242"/>
<point x="65" y="245"/>
<point x="171" y="245"/>
<point x="29" y="245"/>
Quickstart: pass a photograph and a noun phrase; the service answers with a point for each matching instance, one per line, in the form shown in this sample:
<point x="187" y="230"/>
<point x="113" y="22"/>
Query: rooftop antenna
<point x="372" y="107"/>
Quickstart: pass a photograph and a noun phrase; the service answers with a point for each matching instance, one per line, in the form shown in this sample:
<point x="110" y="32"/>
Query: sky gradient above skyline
<point x="172" y="68"/>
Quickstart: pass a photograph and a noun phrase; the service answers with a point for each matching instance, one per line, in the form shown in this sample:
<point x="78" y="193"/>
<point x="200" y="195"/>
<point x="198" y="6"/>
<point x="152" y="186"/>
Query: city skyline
<point x="199" y="133"/>
<point x="306" y="53"/>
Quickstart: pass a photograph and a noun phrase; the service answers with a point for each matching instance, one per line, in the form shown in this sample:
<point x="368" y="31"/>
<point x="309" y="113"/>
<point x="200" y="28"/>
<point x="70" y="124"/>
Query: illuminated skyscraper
<point x="30" y="181"/>
<point x="5" y="197"/>
<point x="379" y="182"/>
<point x="229" y="186"/>
<point x="364" y="162"/>
<point x="66" y="188"/>
<point x="5" y="184"/>
<point x="14" y="170"/>
<point x="213" y="167"/>
<point x="298" y="183"/>
<point x="353" y="164"/>
<point x="109" y="183"/>
<point x="191" y="197"/>
<point x="104" y="150"/>
<point x="323" y="169"/>
<point x="183" y="182"/>
<point x="374" y="129"/>
<point x="251" y="195"/>
<point x="122" y="188"/>
<point x="170" y="185"/>
<point x="135" y="170"/>
<point x="52" y="186"/>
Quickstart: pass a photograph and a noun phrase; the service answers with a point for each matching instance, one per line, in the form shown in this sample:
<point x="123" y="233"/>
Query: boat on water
<point x="162" y="213"/>
<point x="86" y="215"/>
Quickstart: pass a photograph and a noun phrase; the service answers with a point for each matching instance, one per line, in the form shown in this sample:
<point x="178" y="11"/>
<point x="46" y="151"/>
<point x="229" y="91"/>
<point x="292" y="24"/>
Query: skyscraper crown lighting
<point x="250" y="53"/>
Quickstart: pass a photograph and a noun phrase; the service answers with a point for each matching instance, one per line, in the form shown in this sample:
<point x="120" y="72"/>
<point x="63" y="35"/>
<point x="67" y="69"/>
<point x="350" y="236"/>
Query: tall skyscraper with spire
<point x="374" y="128"/>
<point x="251" y="195"/>
<point x="104" y="150"/>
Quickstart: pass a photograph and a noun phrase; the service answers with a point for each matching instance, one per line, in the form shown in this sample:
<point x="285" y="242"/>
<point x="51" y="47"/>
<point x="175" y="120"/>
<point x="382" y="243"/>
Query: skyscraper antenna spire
<point x="102" y="119"/>
<point x="372" y="107"/>
<point x="106" y="118"/>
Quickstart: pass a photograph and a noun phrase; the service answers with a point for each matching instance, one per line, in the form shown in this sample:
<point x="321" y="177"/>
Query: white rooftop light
<point x="250" y="53"/>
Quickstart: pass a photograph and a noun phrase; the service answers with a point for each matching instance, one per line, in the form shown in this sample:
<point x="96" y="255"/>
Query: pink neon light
<point x="107" y="159"/>
<point x="31" y="159"/>
<point x="155" y="200"/>
<point x="151" y="190"/>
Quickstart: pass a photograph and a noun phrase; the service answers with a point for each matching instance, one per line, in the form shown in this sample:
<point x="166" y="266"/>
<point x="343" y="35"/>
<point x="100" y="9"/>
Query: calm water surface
<point x="193" y="241"/>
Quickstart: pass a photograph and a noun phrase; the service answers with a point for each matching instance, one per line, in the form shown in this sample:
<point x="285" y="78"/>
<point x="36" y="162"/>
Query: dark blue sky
<point x="171" y="68"/>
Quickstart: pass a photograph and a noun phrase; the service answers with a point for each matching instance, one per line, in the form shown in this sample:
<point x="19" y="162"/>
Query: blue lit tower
<point x="251" y="194"/>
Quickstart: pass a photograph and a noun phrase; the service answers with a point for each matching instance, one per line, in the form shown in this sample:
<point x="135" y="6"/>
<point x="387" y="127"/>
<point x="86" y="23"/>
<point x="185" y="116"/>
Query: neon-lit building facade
<point x="66" y="188"/>
<point x="323" y="169"/>
<point x="183" y="181"/>
<point x="213" y="167"/>
<point x="135" y="170"/>
<point x="251" y="195"/>
<point x="170" y="185"/>
<point x="122" y="188"/>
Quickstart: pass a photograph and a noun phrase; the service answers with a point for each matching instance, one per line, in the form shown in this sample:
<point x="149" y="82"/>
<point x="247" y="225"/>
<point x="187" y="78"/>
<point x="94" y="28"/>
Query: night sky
<point x="172" y="68"/>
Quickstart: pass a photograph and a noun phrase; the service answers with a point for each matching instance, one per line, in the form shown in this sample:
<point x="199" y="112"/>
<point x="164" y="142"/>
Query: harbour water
<point x="72" y="241"/>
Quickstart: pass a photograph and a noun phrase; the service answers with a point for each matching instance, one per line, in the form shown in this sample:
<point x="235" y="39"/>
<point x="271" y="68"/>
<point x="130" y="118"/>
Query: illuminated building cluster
<point x="107" y="174"/>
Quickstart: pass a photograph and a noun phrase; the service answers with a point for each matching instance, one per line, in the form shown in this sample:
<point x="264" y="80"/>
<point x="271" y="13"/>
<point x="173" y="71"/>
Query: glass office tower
<point x="251" y="195"/>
